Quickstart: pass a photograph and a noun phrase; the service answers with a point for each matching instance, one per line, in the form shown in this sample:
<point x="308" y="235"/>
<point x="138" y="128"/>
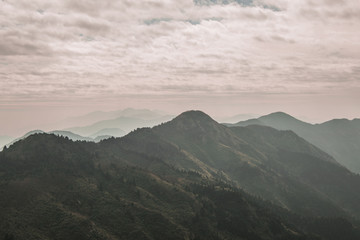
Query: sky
<point x="64" y="58"/>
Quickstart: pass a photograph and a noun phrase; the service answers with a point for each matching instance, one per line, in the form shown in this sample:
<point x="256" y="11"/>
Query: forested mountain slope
<point x="190" y="178"/>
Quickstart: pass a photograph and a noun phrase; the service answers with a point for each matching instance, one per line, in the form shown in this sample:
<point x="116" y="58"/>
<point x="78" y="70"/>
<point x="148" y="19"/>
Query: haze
<point x="65" y="58"/>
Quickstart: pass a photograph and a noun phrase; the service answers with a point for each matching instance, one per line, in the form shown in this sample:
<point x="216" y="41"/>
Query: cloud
<point x="93" y="48"/>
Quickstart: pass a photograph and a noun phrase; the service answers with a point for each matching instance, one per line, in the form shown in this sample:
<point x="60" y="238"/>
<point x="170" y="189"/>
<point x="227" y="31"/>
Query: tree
<point x="9" y="237"/>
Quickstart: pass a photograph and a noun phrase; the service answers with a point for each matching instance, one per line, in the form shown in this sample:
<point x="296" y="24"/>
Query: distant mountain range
<point x="338" y="137"/>
<point x="237" y="118"/>
<point x="114" y="132"/>
<point x="70" y="135"/>
<point x="93" y="117"/>
<point x="120" y="124"/>
<point x="189" y="178"/>
<point x="97" y="126"/>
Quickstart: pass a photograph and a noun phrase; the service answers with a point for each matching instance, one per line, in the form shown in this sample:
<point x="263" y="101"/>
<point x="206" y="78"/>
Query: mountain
<point x="102" y="137"/>
<point x="72" y="136"/>
<point x="68" y="134"/>
<point x="68" y="191"/>
<point x="276" y="165"/>
<point x="115" y="132"/>
<point x="237" y="118"/>
<point x="128" y="119"/>
<point x="190" y="178"/>
<point x="93" y="117"/>
<point x="126" y="124"/>
<point x="145" y="114"/>
<point x="258" y="159"/>
<point x="278" y="120"/>
<point x="338" y="137"/>
<point x="23" y="137"/>
<point x="5" y="140"/>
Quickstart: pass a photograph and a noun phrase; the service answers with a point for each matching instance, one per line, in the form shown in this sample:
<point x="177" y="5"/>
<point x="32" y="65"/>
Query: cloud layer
<point x="65" y="50"/>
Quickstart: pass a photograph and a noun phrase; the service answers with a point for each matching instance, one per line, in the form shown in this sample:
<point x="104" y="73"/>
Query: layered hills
<point x="119" y="126"/>
<point x="189" y="178"/>
<point x="338" y="137"/>
<point x="100" y="125"/>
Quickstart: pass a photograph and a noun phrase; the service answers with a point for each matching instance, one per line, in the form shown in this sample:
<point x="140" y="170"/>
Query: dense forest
<point x="190" y="178"/>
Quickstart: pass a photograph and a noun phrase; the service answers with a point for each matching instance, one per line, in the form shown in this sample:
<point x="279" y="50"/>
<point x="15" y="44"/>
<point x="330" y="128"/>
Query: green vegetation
<point x="190" y="178"/>
<point x="338" y="137"/>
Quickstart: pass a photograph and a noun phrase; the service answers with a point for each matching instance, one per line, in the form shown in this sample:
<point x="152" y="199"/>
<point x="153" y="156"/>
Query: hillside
<point x="338" y="137"/>
<point x="253" y="157"/>
<point x="190" y="178"/>
<point x="115" y="132"/>
<point x="68" y="134"/>
<point x="66" y="191"/>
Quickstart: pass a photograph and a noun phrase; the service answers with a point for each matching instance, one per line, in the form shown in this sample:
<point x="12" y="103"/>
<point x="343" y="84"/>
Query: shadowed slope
<point x="338" y="137"/>
<point x="76" y="191"/>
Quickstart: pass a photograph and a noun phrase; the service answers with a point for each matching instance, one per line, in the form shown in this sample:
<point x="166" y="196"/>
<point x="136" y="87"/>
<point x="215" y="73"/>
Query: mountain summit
<point x="196" y="126"/>
<point x="338" y="137"/>
<point x="192" y="119"/>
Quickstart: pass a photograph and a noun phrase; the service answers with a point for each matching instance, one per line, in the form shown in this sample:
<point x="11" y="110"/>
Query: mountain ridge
<point x="339" y="137"/>
<point x="189" y="178"/>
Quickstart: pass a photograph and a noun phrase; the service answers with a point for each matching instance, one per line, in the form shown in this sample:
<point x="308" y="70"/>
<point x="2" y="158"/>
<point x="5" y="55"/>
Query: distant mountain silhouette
<point x="338" y="137"/>
<point x="68" y="134"/>
<point x="102" y="137"/>
<point x="94" y="117"/>
<point x="72" y="136"/>
<point x="24" y="136"/>
<point x="125" y="124"/>
<point x="237" y="118"/>
<point x="115" y="132"/>
<point x="105" y="129"/>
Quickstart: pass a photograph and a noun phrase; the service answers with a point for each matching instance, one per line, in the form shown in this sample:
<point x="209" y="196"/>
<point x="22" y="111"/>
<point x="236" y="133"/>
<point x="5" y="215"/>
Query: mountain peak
<point x="279" y="115"/>
<point x="194" y="115"/>
<point x="282" y="121"/>
<point x="191" y="121"/>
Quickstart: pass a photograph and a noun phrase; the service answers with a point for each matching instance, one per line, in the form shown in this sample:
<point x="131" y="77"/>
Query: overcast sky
<point x="63" y="57"/>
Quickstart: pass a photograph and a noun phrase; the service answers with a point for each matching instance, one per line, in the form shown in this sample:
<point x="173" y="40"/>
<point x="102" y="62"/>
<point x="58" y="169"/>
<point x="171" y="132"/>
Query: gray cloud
<point x="224" y="2"/>
<point x="84" y="49"/>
